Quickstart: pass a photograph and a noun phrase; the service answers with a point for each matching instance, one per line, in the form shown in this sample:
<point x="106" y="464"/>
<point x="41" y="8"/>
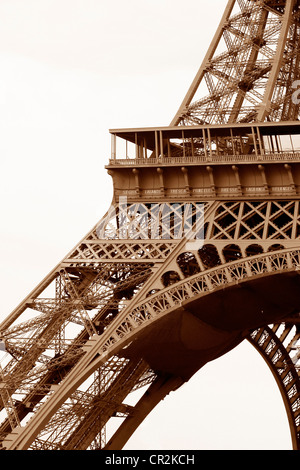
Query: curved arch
<point x="188" y="264"/>
<point x="270" y="347"/>
<point x="254" y="249"/>
<point x="169" y="278"/>
<point x="232" y="253"/>
<point x="276" y="247"/>
<point x="131" y="323"/>
<point x="209" y="256"/>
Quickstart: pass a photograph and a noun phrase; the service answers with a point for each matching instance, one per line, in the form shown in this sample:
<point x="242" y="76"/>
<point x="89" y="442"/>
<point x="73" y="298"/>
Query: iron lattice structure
<point x="198" y="252"/>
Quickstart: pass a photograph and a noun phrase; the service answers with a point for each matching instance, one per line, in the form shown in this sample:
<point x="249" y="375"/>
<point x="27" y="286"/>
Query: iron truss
<point x="92" y="332"/>
<point x="249" y="69"/>
<point x="74" y="342"/>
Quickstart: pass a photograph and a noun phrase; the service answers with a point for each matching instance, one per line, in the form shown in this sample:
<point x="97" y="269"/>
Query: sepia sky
<point x="69" y="71"/>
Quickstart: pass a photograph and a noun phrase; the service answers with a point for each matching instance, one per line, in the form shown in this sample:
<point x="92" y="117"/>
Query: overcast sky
<point x="69" y="71"/>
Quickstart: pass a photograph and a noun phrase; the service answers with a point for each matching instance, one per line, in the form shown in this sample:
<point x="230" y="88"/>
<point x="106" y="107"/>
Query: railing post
<point x="113" y="146"/>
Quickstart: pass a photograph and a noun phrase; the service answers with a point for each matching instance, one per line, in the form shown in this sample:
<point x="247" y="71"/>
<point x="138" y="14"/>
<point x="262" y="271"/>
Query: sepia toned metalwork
<point x="198" y="252"/>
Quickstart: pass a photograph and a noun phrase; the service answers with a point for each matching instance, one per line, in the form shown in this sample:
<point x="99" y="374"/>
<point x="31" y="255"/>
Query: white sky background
<point x="69" y="71"/>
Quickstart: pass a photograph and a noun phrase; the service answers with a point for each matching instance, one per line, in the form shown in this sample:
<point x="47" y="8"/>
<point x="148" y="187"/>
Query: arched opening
<point x="253" y="250"/>
<point x="209" y="256"/>
<point x="169" y="278"/>
<point x="232" y="253"/>
<point x="276" y="247"/>
<point x="188" y="264"/>
<point x="197" y="422"/>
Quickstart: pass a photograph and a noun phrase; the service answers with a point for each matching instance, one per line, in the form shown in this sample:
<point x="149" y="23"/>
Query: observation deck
<point x="248" y="160"/>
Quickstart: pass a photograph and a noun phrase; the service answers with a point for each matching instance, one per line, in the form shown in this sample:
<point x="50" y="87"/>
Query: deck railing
<point x="202" y="159"/>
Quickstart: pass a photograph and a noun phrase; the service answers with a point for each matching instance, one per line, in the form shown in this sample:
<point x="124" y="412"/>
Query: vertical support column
<point x="156" y="145"/>
<point x="135" y="171"/>
<point x="192" y="147"/>
<point x="262" y="151"/>
<point x="113" y="146"/>
<point x="183" y="145"/>
<point x="186" y="180"/>
<point x="204" y="143"/>
<point x="161" y="144"/>
<point x="237" y="178"/>
<point x="136" y="146"/>
<point x="288" y="168"/>
<point x="160" y="172"/>
<point x="232" y="142"/>
<point x="209" y="144"/>
<point x="254" y="142"/>
<point x="169" y="148"/>
<point x="211" y="179"/>
<point x="264" y="179"/>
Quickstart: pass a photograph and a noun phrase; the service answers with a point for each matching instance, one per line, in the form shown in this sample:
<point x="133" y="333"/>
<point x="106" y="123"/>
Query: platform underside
<point x="207" y="327"/>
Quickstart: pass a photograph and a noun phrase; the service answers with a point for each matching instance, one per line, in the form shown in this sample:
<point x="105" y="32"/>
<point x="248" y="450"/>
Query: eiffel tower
<point x="198" y="252"/>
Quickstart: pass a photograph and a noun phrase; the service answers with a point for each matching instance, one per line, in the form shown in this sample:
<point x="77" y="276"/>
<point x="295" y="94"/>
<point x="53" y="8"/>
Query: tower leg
<point x="157" y="391"/>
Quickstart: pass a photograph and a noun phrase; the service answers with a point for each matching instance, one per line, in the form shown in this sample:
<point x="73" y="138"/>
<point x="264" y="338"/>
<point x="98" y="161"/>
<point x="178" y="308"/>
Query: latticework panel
<point x="68" y="369"/>
<point x="102" y="306"/>
<point x="250" y="68"/>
